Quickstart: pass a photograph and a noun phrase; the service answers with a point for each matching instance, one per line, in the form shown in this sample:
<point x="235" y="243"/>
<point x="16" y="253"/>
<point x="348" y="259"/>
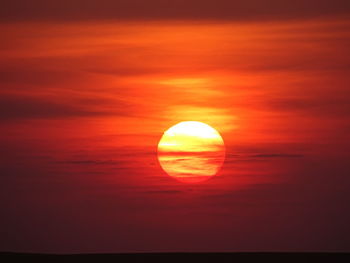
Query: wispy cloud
<point x="16" y="107"/>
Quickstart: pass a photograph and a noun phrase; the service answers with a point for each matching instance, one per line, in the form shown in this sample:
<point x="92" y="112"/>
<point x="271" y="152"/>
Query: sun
<point x="191" y="151"/>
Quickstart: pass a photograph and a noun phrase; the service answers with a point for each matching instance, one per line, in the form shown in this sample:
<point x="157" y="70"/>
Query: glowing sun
<point x="191" y="151"/>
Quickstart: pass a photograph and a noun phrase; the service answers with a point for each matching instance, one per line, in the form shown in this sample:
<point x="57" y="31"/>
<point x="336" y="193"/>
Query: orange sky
<point x="87" y="102"/>
<point x="281" y="75"/>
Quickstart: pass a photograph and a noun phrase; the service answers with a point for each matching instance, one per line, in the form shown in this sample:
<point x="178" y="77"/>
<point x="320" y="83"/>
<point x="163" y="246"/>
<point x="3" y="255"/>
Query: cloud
<point x="336" y="104"/>
<point x="248" y="155"/>
<point x="92" y="162"/>
<point x="177" y="9"/>
<point x="277" y="155"/>
<point x="14" y="107"/>
<point x="164" y="192"/>
<point x="37" y="77"/>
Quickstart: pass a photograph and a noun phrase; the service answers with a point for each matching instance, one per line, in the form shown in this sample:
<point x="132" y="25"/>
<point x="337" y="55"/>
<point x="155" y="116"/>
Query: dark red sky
<point x="87" y="89"/>
<point x="177" y="9"/>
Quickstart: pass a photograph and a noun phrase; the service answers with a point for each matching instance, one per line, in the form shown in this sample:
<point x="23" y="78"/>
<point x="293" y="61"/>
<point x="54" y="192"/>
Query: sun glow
<point x="191" y="151"/>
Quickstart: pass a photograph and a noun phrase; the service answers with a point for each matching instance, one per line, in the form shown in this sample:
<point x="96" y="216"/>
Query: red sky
<point x="87" y="90"/>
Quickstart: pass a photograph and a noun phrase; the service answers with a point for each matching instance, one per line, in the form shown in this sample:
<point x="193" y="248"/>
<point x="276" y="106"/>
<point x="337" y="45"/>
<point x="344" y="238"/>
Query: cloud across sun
<point x="191" y="151"/>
